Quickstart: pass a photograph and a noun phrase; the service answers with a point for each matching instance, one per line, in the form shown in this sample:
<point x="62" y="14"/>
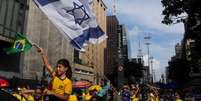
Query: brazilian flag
<point x="21" y="44"/>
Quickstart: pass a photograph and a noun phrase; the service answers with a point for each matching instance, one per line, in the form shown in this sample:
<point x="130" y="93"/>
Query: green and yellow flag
<point x="21" y="44"/>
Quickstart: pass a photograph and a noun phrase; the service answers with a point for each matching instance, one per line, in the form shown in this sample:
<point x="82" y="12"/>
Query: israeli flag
<point x="75" y="19"/>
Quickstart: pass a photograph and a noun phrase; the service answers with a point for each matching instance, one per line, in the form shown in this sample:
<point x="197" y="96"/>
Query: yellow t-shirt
<point x="134" y="98"/>
<point x="178" y="100"/>
<point x="87" y="97"/>
<point x="22" y="98"/>
<point x="60" y="86"/>
<point x="153" y="98"/>
<point x="19" y="97"/>
<point x="157" y="98"/>
<point x="30" y="98"/>
<point x="72" y="98"/>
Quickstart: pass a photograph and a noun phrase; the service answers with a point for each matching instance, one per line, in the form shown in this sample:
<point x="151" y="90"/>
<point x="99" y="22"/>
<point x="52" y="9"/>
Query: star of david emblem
<point x="79" y="13"/>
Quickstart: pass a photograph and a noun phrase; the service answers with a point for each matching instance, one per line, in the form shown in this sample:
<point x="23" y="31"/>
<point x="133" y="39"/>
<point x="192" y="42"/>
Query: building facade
<point x="12" y="20"/>
<point x="84" y="73"/>
<point x="39" y="30"/>
<point x="111" y="59"/>
<point x="93" y="57"/>
<point x="123" y="44"/>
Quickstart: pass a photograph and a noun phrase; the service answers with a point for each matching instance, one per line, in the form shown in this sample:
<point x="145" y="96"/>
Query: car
<point x="5" y="96"/>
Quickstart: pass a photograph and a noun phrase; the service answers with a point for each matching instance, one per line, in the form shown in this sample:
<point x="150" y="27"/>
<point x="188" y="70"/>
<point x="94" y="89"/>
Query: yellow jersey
<point x="153" y="98"/>
<point x="23" y="98"/>
<point x="72" y="98"/>
<point x="87" y="97"/>
<point x="60" y="86"/>
<point x="178" y="100"/>
<point x="134" y="98"/>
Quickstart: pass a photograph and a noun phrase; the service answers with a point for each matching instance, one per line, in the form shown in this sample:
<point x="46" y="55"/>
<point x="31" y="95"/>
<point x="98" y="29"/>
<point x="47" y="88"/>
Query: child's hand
<point x="39" y="49"/>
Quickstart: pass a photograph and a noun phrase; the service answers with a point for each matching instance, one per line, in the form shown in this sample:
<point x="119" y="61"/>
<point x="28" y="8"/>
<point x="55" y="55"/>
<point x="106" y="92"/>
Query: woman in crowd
<point x="60" y="87"/>
<point x="134" y="92"/>
<point x="177" y="96"/>
<point x="154" y="94"/>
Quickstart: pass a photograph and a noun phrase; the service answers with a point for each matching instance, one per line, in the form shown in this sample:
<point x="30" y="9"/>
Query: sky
<point x="142" y="18"/>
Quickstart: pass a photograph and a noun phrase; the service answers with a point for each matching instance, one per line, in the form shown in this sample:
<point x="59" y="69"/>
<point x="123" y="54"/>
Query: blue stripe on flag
<point x="94" y="33"/>
<point x="80" y="40"/>
<point x="45" y="2"/>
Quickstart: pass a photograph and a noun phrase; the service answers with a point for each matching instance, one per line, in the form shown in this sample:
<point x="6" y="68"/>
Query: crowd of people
<point x="60" y="88"/>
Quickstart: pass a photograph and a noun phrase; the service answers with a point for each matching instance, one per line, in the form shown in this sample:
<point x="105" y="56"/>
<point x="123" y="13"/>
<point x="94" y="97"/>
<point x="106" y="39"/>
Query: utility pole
<point x="152" y="71"/>
<point x="147" y="43"/>
<point x="114" y="7"/>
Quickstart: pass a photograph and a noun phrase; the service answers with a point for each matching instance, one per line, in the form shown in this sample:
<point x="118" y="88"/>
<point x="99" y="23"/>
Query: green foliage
<point x="133" y="69"/>
<point x="178" y="70"/>
<point x="174" y="10"/>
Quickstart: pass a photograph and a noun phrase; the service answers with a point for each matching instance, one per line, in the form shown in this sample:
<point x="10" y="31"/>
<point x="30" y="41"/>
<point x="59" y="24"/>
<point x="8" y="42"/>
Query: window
<point x="12" y="15"/>
<point x="9" y="63"/>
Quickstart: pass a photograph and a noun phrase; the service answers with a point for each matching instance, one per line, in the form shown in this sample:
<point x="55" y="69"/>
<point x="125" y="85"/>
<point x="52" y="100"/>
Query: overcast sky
<point x="142" y="17"/>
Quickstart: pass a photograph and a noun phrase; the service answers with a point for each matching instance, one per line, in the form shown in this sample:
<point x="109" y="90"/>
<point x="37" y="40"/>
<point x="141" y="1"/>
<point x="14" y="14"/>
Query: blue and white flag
<point x="74" y="18"/>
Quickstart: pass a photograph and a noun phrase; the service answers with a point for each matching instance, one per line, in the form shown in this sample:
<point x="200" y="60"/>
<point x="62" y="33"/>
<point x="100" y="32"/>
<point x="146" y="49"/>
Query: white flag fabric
<point x="75" y="19"/>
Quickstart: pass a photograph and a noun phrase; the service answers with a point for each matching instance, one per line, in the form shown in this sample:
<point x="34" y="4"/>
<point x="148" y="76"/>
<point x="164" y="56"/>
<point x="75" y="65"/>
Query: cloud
<point x="145" y="13"/>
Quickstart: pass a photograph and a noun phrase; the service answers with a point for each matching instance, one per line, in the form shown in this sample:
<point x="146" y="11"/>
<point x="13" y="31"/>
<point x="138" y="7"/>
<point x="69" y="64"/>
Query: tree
<point x="133" y="71"/>
<point x="176" y="11"/>
<point x="178" y="71"/>
<point x="188" y="12"/>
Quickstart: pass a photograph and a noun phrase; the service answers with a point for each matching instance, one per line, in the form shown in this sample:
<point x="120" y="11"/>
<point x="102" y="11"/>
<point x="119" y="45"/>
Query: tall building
<point x="123" y="46"/>
<point x="111" y="59"/>
<point x="24" y="16"/>
<point x="94" y="55"/>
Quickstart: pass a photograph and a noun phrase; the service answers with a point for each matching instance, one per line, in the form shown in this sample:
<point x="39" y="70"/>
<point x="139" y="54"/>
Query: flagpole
<point x="43" y="74"/>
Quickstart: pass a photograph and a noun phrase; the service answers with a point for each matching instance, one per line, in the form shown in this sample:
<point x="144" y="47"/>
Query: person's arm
<point x="45" y="59"/>
<point x="156" y="93"/>
<point x="137" y="90"/>
<point x="27" y="91"/>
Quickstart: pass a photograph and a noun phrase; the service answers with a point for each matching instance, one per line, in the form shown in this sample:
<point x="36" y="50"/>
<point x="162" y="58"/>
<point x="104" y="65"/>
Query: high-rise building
<point x="116" y="53"/>
<point x="123" y="46"/>
<point x="94" y="54"/>
<point x="112" y="57"/>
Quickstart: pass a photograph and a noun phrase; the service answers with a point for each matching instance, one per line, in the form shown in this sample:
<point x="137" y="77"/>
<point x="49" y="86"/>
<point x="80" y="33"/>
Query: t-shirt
<point x="154" y="98"/>
<point x="60" y="86"/>
<point x="72" y="98"/>
<point x="125" y="96"/>
<point x="22" y="98"/>
<point x="134" y="98"/>
<point x="178" y="100"/>
<point x="87" y="97"/>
